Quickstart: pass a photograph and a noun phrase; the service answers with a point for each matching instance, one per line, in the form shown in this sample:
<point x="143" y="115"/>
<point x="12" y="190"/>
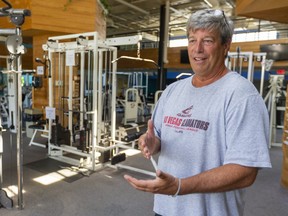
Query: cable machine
<point x="95" y="142"/>
<point x="81" y="75"/>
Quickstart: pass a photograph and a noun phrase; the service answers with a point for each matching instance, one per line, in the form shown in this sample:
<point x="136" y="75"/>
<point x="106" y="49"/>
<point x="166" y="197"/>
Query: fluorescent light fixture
<point x="229" y="4"/>
<point x="178" y="43"/>
<point x="208" y="3"/>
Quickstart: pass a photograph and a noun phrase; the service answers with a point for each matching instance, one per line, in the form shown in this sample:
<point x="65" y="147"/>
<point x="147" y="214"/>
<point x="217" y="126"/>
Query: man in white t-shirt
<point x="211" y="130"/>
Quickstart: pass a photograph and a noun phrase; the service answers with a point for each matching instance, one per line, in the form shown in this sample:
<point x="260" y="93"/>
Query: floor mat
<point x="48" y="165"/>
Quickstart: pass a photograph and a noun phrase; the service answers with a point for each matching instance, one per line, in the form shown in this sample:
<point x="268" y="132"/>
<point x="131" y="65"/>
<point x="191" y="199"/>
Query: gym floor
<point x="105" y="192"/>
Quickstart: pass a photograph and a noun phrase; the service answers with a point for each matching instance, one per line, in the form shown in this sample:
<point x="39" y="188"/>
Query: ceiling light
<point x="208" y="3"/>
<point x="229" y="4"/>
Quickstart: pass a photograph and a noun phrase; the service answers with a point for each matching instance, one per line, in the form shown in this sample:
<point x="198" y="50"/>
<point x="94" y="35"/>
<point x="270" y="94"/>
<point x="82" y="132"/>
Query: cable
<point x="4" y="9"/>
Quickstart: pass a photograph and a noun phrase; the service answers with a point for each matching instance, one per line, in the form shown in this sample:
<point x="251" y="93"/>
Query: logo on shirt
<point x="183" y="121"/>
<point x="186" y="112"/>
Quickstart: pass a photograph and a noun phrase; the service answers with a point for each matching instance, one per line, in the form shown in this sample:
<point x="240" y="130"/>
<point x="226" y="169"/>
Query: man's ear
<point x="227" y="47"/>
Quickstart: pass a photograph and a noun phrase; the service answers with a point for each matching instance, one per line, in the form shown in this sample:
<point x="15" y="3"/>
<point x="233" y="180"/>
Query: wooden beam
<point x="61" y="16"/>
<point x="267" y="10"/>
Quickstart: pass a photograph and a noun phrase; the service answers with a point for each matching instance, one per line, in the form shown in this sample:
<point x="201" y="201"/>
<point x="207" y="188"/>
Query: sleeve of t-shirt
<point x="248" y="133"/>
<point x="157" y="115"/>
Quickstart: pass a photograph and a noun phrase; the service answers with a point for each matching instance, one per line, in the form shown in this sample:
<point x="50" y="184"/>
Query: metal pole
<point x="100" y="94"/>
<point x="82" y="79"/>
<point x="250" y="67"/>
<point x="70" y="104"/>
<point x="19" y="130"/>
<point x="7" y="32"/>
<point x="113" y="106"/>
<point x="161" y="72"/>
<point x="50" y="99"/>
<point x="262" y="75"/>
<point x="95" y="136"/>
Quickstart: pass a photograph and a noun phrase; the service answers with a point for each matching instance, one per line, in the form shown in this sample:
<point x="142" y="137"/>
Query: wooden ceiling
<point x="272" y="10"/>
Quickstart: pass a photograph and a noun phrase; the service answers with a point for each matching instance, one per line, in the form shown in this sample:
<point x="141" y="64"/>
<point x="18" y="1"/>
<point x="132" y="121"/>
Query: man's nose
<point x="199" y="47"/>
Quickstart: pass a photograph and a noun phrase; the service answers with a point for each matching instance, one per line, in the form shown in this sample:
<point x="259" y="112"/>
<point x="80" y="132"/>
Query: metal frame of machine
<point x="14" y="70"/>
<point x="106" y="140"/>
<point x="235" y="62"/>
<point x="81" y="44"/>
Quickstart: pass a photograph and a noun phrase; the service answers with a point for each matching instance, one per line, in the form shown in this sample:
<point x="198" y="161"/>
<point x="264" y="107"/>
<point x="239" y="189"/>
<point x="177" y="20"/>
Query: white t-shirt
<point x="203" y="128"/>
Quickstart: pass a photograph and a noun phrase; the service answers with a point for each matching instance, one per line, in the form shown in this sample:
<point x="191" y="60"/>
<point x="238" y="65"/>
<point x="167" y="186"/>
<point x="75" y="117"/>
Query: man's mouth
<point x="199" y="59"/>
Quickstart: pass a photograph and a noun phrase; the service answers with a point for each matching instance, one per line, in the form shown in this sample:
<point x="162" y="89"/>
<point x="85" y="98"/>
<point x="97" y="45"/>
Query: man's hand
<point x="148" y="143"/>
<point x="164" y="183"/>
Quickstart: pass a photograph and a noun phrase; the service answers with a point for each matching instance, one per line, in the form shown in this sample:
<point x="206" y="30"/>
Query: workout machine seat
<point x="40" y="126"/>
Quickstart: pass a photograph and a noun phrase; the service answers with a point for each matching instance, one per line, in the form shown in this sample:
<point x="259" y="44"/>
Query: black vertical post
<point x="161" y="78"/>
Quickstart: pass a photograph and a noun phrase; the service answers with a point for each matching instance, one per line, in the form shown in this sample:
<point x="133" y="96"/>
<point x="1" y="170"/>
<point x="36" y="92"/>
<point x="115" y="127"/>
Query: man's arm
<point x="225" y="178"/>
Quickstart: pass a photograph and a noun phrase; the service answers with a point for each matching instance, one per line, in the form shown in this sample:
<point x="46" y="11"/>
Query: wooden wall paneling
<point x="254" y="46"/>
<point x="3" y="52"/>
<point x="77" y="16"/>
<point x="284" y="173"/>
<point x="174" y="55"/>
<point x="50" y="18"/>
<point x="174" y="58"/>
<point x="40" y="95"/>
<point x="60" y="16"/>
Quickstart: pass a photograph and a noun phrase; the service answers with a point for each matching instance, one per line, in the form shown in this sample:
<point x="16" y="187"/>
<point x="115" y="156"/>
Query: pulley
<point x="14" y="44"/>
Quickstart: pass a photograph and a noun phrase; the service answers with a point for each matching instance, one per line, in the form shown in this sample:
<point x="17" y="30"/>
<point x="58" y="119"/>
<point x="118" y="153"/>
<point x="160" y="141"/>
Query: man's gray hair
<point x="211" y="20"/>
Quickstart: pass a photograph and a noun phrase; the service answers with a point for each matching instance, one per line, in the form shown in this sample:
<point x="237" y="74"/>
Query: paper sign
<point x="70" y="58"/>
<point x="40" y="70"/>
<point x="50" y="113"/>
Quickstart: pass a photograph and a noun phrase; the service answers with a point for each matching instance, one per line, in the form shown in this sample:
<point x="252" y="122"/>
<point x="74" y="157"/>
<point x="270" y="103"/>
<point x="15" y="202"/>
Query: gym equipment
<point x="4" y="110"/>
<point x="14" y="71"/>
<point x="235" y="61"/>
<point x="131" y="132"/>
<point x="156" y="98"/>
<point x="130" y="104"/>
<point x="133" y="101"/>
<point x="276" y="90"/>
<point x="136" y="105"/>
<point x="35" y="125"/>
<point x="181" y="75"/>
<point x="138" y="58"/>
<point x="118" y="158"/>
<point x="88" y="113"/>
<point x="91" y="56"/>
<point x="5" y="201"/>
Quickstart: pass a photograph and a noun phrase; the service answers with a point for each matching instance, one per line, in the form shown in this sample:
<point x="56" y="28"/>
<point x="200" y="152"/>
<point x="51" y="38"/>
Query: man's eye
<point x="192" y="41"/>
<point x="208" y="42"/>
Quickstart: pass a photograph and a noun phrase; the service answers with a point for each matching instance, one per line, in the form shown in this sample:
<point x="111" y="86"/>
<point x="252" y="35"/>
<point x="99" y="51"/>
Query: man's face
<point x="206" y="53"/>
